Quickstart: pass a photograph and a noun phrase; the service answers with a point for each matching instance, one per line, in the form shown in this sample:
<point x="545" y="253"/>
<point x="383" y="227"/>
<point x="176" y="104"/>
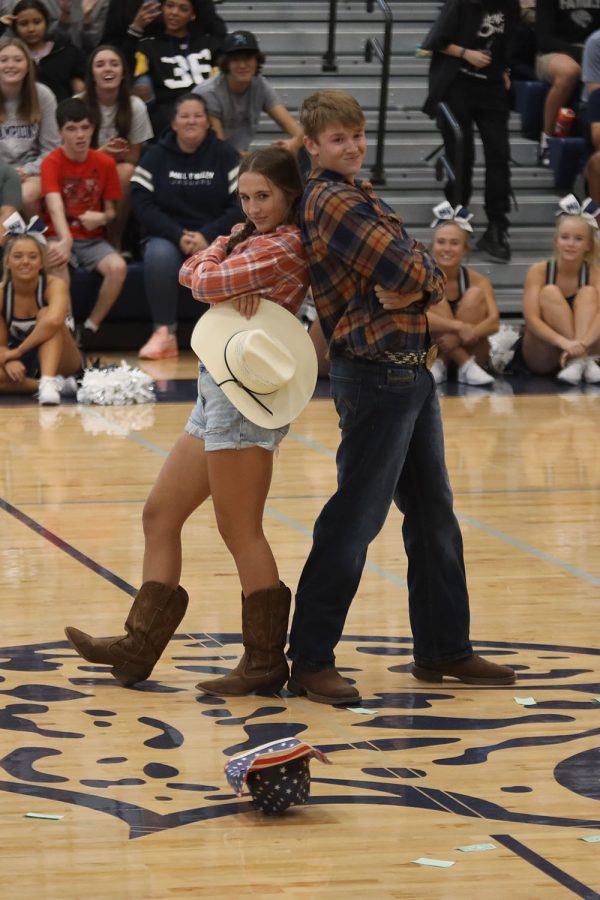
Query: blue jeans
<point x="162" y="262"/>
<point x="392" y="450"/>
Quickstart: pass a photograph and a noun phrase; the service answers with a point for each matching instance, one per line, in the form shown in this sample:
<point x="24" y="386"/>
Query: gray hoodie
<point x="24" y="145"/>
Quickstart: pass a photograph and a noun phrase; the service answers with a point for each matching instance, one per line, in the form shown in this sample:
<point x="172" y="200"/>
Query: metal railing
<point x="443" y="166"/>
<point x="329" y="63"/>
<point x="384" y="54"/>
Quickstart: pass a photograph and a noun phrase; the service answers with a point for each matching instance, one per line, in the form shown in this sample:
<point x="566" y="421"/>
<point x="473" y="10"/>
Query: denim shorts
<point x="221" y="426"/>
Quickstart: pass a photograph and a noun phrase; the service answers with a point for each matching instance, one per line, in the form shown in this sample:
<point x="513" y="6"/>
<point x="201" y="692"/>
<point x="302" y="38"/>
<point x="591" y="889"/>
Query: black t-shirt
<point x="491" y="38"/>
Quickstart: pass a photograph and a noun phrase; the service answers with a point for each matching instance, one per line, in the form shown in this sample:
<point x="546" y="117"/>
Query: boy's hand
<point x="59" y="252"/>
<point x="91" y="219"/>
<point x="247" y="306"/>
<point x="392" y="300"/>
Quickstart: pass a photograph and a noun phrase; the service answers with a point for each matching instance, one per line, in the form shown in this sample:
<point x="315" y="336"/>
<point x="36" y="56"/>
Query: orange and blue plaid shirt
<point x="355" y="241"/>
<point x="272" y="265"/>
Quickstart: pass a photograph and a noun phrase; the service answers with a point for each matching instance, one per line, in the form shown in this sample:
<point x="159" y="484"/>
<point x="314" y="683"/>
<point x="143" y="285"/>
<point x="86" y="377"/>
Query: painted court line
<point x="71" y="551"/>
<point x="548" y="868"/>
<point x="481" y="526"/>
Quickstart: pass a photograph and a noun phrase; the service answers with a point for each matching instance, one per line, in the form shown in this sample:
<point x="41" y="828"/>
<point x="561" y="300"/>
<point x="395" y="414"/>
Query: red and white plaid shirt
<point x="273" y="265"/>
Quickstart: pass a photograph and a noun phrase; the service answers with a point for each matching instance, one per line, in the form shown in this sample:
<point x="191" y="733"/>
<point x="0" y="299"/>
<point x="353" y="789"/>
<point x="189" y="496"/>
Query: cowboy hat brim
<point x="221" y="322"/>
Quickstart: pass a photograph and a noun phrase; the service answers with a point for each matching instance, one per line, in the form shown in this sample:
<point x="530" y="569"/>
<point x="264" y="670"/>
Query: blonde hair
<point x="591" y="255"/>
<point x="9" y="247"/>
<point x="28" y="108"/>
<point x="465" y="234"/>
<point x="329" y="107"/>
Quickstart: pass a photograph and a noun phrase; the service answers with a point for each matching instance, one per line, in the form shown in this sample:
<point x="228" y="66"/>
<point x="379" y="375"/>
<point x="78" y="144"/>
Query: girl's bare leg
<point x="540" y="356"/>
<point x="181" y="487"/>
<point x="239" y="484"/>
<point x="8" y="386"/>
<point x="70" y="357"/>
<point x="472" y="309"/>
<point x="586" y="311"/>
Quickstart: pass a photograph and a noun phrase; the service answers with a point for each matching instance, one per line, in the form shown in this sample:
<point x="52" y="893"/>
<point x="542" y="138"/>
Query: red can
<point x="564" y="122"/>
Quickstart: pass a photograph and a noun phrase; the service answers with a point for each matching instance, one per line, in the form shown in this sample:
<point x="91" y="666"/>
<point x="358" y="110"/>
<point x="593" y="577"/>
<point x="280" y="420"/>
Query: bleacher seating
<point x="567" y="156"/>
<point x="294" y="37"/>
<point x="529" y="97"/>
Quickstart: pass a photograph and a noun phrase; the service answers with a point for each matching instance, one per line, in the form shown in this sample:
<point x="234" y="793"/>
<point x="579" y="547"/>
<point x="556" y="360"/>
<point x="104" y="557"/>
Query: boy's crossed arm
<point x="402" y="270"/>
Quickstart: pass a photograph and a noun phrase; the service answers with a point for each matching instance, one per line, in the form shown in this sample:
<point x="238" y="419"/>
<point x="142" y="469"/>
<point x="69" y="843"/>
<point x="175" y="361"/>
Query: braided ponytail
<point x="241" y="235"/>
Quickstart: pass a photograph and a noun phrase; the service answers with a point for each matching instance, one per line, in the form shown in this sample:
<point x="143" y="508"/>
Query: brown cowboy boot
<point x="323" y="686"/>
<point x="263" y="667"/>
<point x="472" y="670"/>
<point x="152" y="621"/>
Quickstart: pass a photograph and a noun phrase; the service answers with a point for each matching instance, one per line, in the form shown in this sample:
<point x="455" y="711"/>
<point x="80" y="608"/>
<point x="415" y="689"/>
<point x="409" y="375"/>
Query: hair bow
<point x="444" y="212"/>
<point x="570" y="206"/>
<point x="15" y="226"/>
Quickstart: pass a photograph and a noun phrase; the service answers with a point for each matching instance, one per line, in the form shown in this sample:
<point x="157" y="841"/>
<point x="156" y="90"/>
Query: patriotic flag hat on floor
<point x="277" y="774"/>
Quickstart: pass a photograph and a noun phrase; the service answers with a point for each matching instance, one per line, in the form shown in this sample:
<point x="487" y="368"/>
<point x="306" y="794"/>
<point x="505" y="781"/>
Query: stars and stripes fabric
<point x="277" y="774"/>
<point x="354" y="241"/>
<point x="273" y="265"/>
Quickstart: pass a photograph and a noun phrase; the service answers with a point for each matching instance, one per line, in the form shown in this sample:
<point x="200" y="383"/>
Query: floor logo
<point x="153" y="756"/>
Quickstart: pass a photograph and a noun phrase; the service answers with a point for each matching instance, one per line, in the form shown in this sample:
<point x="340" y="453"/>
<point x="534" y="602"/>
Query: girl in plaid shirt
<point x="262" y="258"/>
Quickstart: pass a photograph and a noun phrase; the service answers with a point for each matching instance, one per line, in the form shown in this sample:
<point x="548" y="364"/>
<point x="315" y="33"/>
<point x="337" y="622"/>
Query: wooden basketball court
<point x="136" y="775"/>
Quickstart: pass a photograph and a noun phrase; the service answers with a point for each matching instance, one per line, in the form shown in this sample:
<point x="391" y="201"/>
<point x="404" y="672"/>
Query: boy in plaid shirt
<point x="372" y="285"/>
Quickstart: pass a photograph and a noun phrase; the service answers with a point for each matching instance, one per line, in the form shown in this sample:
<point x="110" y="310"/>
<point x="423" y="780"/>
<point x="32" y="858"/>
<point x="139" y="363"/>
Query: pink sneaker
<point x="161" y="345"/>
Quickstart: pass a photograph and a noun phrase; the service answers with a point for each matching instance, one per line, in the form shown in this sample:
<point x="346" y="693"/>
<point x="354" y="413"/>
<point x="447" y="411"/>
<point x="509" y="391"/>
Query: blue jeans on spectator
<point x="392" y="450"/>
<point x="162" y="262"/>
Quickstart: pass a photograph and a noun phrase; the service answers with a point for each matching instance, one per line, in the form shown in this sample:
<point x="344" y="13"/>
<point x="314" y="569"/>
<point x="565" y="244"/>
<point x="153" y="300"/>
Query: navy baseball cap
<point x="240" y="42"/>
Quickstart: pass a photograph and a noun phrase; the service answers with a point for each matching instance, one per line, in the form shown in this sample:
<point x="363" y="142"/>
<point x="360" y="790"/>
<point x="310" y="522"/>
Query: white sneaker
<point x="591" y="371"/>
<point x="439" y="371"/>
<point x="572" y="372"/>
<point x="472" y="373"/>
<point x="67" y="386"/>
<point x="48" y="391"/>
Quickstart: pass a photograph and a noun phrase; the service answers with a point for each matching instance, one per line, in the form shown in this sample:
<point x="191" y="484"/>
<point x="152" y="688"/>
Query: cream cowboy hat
<point x="266" y="365"/>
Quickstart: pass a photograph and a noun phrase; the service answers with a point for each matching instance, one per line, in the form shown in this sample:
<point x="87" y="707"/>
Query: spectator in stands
<point x="80" y="187"/>
<point x="561" y="300"/>
<point x="237" y="96"/>
<point x="10" y="195"/>
<point x="121" y="124"/>
<point x="80" y="22"/>
<point x="139" y="18"/>
<point x="36" y="347"/>
<point x="469" y="72"/>
<point x="169" y="64"/>
<point x="184" y="196"/>
<point x="590" y="73"/>
<point x="522" y="59"/>
<point x="59" y="64"/>
<point x="462" y="322"/>
<point x="561" y="30"/>
<point x="27" y="120"/>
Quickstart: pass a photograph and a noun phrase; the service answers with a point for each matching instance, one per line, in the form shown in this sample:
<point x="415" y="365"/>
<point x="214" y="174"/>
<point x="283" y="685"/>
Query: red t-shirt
<point x="82" y="186"/>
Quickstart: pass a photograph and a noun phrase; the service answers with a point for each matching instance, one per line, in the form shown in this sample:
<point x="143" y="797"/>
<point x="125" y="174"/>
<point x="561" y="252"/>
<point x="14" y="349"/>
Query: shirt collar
<point x="330" y="175"/>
